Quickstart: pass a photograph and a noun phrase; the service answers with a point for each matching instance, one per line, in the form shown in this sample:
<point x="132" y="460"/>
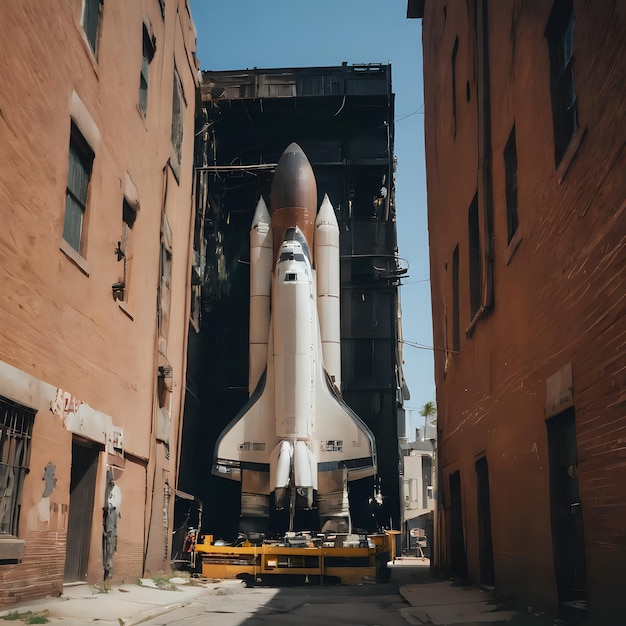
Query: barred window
<point x="16" y="426"/>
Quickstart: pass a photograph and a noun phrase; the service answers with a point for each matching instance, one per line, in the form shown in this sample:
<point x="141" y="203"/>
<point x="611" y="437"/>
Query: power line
<point x="421" y="346"/>
<point x="418" y="111"/>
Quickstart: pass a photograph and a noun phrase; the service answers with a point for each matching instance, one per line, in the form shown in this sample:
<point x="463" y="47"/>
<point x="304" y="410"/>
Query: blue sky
<point x="239" y="34"/>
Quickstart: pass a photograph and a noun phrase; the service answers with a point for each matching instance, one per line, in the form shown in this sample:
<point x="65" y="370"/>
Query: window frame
<point x="455" y="50"/>
<point x="147" y="54"/>
<point x="456" y="308"/>
<point x="474" y="260"/>
<point x="559" y="34"/>
<point x="510" y="185"/>
<point x="179" y="105"/>
<point x="129" y="217"/>
<point x="79" y="153"/>
<point x="15" y="456"/>
<point x="92" y="10"/>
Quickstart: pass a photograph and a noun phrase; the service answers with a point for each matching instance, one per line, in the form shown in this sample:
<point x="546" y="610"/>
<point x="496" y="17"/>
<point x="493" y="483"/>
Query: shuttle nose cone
<point x="294" y="182"/>
<point x="293" y="196"/>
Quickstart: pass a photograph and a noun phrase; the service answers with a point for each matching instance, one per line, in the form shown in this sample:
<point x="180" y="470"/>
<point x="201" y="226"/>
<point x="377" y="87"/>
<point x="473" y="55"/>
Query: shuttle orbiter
<point x="296" y="443"/>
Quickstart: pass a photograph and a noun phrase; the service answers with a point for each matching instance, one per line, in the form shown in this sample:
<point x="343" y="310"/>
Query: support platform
<point x="344" y="559"/>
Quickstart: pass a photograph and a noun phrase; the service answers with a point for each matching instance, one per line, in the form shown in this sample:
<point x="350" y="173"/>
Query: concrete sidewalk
<point x="123" y="605"/>
<point x="444" y="602"/>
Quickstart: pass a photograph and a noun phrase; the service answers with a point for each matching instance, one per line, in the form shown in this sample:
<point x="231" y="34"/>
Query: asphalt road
<point x="308" y="605"/>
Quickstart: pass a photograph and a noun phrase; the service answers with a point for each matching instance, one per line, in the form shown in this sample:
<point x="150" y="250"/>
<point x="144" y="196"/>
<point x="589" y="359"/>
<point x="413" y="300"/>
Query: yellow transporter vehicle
<point x="345" y="559"/>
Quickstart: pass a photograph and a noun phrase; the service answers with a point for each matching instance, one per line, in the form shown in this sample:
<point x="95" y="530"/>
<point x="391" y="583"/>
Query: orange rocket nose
<point x="293" y="196"/>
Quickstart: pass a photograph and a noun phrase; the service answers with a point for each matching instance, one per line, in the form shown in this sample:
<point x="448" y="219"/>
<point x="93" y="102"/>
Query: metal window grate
<point x="16" y="425"/>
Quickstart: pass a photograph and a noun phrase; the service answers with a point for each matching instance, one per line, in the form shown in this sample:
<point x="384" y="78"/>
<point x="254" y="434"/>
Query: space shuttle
<point x="295" y="444"/>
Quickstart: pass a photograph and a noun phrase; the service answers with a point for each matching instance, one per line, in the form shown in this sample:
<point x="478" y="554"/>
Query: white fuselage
<point x="295" y="434"/>
<point x="294" y="346"/>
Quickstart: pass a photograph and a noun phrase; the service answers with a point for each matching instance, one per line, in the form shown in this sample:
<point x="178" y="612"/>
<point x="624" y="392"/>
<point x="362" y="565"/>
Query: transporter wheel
<point x="247" y="579"/>
<point x="383" y="573"/>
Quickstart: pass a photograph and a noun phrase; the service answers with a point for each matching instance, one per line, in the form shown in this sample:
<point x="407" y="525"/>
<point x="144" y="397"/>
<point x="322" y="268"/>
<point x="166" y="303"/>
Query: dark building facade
<point x="342" y="117"/>
<point x="524" y="118"/>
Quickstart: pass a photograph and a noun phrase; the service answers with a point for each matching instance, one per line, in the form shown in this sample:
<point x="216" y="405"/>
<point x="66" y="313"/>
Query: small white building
<point x="418" y="467"/>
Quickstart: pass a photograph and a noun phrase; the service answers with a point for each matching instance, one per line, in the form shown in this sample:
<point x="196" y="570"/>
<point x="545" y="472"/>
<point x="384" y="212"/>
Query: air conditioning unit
<point x="11" y="549"/>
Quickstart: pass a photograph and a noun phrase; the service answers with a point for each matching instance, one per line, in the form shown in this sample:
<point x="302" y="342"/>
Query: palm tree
<point x="429" y="412"/>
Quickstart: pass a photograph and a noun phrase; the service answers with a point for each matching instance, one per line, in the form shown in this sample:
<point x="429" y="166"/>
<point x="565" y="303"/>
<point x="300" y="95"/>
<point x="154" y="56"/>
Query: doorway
<point x="485" y="541"/>
<point x="566" y="513"/>
<point x="82" y="490"/>
<point x="458" y="555"/>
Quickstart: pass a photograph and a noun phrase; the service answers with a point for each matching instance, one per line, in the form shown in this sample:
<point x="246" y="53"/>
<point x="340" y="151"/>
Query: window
<point x="455" y="51"/>
<point x="560" y="35"/>
<point x="456" y="327"/>
<point x="16" y="425"/>
<point x="178" y="104"/>
<point x="129" y="215"/>
<point x="78" y="176"/>
<point x="248" y="445"/>
<point x="510" y="168"/>
<point x="166" y="267"/>
<point x="125" y="251"/>
<point x="474" y="258"/>
<point x="147" y="53"/>
<point x="334" y="445"/>
<point x="165" y="289"/>
<point x="91" y="21"/>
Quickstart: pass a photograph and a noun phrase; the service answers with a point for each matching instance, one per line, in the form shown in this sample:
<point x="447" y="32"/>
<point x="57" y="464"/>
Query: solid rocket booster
<point x="295" y="438"/>
<point x="261" y="261"/>
<point x="328" y="286"/>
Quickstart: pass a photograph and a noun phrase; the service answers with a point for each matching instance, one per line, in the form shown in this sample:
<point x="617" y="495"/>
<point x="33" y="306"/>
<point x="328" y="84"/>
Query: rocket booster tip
<point x="261" y="213"/>
<point x="326" y="214"/>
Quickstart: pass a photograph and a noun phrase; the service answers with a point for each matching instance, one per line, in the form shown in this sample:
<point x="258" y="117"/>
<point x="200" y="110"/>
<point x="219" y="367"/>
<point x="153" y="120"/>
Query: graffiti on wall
<point x="78" y="417"/>
<point x="64" y="403"/>
<point x="50" y="482"/>
<point x="111" y="513"/>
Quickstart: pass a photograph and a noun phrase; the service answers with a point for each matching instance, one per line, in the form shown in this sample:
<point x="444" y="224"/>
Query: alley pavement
<point x="412" y="597"/>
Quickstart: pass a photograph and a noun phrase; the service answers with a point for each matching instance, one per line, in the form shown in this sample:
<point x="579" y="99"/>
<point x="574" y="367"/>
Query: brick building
<point x="96" y="128"/>
<point x="524" y="120"/>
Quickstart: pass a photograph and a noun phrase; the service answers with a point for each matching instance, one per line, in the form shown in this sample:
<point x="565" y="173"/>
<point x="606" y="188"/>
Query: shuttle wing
<point x="344" y="440"/>
<point x="248" y="441"/>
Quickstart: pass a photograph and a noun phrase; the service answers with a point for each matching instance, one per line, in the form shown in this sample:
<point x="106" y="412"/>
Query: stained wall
<point x="552" y="332"/>
<point x="88" y="363"/>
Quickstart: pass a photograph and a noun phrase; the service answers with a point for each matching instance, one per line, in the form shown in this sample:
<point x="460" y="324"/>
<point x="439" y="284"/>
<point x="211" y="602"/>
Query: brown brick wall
<point x="61" y="328"/>
<point x="39" y="574"/>
<point x="558" y="300"/>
